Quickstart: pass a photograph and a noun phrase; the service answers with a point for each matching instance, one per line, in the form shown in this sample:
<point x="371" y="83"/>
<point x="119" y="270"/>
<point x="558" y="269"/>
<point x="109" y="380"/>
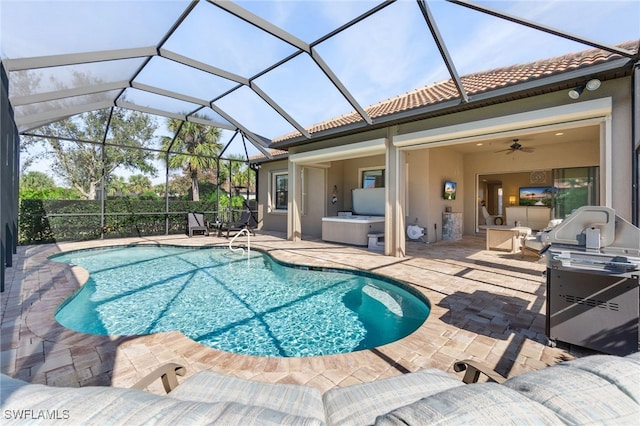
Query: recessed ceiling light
<point x="479" y="144"/>
<point x="559" y="133"/>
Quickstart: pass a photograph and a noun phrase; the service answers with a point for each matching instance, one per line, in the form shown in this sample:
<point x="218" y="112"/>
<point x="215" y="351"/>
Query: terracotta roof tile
<point x="275" y="153"/>
<point x="474" y="84"/>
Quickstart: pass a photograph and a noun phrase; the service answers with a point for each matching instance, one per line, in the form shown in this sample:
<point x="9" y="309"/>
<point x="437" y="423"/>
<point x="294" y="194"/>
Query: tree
<point x="195" y="149"/>
<point x="139" y="184"/>
<point x="179" y="186"/>
<point x="238" y="170"/>
<point x="36" y="185"/>
<point x="76" y="152"/>
<point x="235" y="171"/>
<point x="36" y="181"/>
<point x="117" y="186"/>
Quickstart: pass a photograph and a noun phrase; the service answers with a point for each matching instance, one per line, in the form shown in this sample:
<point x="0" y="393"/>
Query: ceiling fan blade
<point x="527" y="149"/>
<point x="503" y="150"/>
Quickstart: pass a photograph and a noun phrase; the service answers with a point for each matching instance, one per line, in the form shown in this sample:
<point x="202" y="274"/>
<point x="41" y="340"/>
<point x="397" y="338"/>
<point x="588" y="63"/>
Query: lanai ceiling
<point x="268" y="68"/>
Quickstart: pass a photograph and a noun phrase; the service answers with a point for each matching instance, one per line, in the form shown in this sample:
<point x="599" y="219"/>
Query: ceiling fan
<point x="516" y="146"/>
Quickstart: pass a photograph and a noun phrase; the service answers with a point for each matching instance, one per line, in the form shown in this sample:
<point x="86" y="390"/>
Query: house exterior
<point x="427" y="137"/>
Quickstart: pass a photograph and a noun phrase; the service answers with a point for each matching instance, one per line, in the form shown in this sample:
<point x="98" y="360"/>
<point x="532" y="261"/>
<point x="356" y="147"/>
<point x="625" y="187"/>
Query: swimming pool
<point x="254" y="306"/>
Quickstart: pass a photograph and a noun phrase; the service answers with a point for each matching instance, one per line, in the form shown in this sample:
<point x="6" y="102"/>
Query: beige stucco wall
<point x="335" y="180"/>
<point x="314" y="200"/>
<point x="270" y="220"/>
<point x="427" y="171"/>
<point x="621" y="155"/>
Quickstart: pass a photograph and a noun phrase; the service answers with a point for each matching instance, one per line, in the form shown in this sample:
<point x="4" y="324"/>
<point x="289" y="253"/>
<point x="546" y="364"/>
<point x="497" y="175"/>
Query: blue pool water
<point x="255" y="306"/>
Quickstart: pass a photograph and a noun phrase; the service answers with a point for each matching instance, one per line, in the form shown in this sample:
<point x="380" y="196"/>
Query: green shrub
<point x="47" y="221"/>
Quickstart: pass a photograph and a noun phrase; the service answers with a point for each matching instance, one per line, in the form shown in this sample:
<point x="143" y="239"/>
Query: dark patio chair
<point x="246" y="221"/>
<point x="196" y="223"/>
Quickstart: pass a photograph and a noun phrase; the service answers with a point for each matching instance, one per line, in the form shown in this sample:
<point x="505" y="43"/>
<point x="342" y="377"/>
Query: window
<point x="280" y="191"/>
<point x="372" y="178"/>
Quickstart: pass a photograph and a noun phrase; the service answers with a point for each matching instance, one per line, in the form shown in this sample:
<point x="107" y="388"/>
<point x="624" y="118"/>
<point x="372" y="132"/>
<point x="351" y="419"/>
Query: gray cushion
<point x="477" y="404"/>
<point x="635" y="357"/>
<point x="624" y="373"/>
<point x="116" y="406"/>
<point x="208" y="386"/>
<point x="361" y="404"/>
<point x="578" y="396"/>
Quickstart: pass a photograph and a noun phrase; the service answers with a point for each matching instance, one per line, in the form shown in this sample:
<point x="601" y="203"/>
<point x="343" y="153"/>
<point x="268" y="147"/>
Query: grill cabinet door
<point x="592" y="309"/>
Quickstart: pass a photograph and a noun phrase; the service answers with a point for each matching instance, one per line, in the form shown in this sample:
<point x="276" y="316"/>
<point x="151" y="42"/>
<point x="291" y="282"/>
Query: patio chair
<point x="195" y="222"/>
<point x="533" y="243"/>
<point x="246" y="221"/>
<point x="491" y="219"/>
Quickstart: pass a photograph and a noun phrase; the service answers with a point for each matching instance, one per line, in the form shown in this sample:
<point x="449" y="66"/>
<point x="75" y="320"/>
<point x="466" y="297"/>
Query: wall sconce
<point x="593" y="84"/>
<point x="512" y="200"/>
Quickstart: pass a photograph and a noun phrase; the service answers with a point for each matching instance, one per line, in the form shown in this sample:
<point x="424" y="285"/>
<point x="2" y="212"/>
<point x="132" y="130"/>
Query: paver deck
<point x="485" y="305"/>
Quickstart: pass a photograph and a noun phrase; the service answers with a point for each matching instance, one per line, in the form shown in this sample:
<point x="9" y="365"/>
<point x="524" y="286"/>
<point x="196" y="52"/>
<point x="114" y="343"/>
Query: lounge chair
<point x="195" y="222"/>
<point x="246" y="221"/>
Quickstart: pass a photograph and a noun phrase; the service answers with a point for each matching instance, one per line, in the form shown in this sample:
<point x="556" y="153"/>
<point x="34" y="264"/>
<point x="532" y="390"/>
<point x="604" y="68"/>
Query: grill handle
<point x="627" y="266"/>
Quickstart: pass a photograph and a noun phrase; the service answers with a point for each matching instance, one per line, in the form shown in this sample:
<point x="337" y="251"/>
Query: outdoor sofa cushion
<point x="209" y="386"/>
<point x="361" y="404"/>
<point x="475" y="404"/>
<point x="600" y="389"/>
<point x="24" y="403"/>
<point x="352" y="405"/>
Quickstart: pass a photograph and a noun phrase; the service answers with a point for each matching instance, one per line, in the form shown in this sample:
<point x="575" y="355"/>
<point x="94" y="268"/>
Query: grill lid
<point x="595" y="228"/>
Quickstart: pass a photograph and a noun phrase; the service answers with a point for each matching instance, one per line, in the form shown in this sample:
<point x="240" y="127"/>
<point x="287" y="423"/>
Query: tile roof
<point x="275" y="154"/>
<point x="474" y="84"/>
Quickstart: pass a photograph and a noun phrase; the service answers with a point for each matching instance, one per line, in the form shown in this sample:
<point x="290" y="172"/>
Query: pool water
<point x="249" y="305"/>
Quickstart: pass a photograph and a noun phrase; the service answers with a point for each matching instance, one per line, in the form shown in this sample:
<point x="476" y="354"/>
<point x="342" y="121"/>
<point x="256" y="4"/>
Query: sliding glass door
<point x="575" y="187"/>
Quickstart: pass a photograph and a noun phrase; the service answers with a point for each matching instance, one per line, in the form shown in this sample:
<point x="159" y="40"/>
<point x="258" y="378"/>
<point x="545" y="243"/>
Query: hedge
<point x="48" y="221"/>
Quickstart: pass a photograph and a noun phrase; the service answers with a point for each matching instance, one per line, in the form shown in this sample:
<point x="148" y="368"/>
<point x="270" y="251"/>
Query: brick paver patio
<point x="486" y="305"/>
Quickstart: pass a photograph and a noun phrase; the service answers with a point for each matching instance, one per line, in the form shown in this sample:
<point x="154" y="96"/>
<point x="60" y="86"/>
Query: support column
<point x="606" y="160"/>
<point x="395" y="184"/>
<point x="9" y="180"/>
<point x="635" y="147"/>
<point x="166" y="193"/>
<point x="294" y="210"/>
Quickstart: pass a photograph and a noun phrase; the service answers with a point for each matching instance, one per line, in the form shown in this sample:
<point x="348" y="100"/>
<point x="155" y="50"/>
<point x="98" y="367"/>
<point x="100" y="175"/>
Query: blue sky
<point x="388" y="54"/>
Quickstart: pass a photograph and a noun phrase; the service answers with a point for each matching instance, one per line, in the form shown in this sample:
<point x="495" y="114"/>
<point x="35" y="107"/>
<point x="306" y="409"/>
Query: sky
<point x="385" y="55"/>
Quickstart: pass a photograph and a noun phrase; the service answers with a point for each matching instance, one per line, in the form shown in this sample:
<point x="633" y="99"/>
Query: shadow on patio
<point x="507" y="318"/>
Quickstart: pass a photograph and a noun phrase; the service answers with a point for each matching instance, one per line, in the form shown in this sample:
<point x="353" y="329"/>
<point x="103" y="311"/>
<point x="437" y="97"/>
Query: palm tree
<point x="116" y="185"/>
<point x="139" y="184"/>
<point x="237" y="168"/>
<point x="195" y="149"/>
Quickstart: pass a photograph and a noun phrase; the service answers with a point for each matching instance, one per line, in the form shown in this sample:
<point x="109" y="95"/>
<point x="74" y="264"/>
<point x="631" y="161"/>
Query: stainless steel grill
<point x="593" y="287"/>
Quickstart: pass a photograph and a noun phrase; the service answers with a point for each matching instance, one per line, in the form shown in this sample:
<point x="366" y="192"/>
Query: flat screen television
<point x="449" y="190"/>
<point x="536" y="196"/>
